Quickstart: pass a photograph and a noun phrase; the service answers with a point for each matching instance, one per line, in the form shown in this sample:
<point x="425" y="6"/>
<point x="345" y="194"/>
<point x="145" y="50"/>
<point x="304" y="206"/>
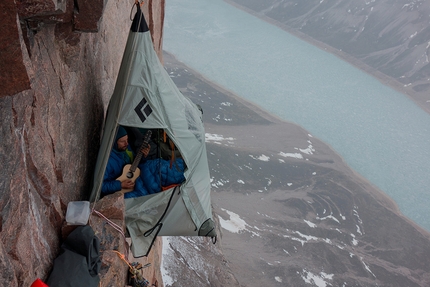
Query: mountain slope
<point x="291" y="213"/>
<point x="389" y="39"/>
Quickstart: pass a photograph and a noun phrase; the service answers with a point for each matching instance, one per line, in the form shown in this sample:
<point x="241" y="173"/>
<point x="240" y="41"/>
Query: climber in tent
<point x="121" y="154"/>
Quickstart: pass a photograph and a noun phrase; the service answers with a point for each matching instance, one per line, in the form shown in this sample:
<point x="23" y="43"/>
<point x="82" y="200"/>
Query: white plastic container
<point x="78" y="212"/>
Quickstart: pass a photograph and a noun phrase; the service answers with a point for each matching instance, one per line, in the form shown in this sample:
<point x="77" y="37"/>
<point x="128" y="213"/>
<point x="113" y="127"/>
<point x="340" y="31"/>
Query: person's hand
<point x="127" y="184"/>
<point x="146" y="150"/>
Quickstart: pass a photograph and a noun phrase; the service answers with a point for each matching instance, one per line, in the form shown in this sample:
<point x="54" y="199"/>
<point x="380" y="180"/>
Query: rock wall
<point x="58" y="65"/>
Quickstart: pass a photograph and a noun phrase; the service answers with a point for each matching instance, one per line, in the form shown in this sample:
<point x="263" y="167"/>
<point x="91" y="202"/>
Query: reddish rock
<point x="32" y="8"/>
<point x="152" y="272"/>
<point x="53" y="96"/>
<point x="87" y="15"/>
<point x="154" y="14"/>
<point x="36" y="13"/>
<point x="112" y="242"/>
<point x="13" y="74"/>
<point x="108" y="215"/>
<point x="8" y="276"/>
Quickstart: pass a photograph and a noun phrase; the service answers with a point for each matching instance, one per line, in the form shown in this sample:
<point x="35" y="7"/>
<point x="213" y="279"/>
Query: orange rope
<point x="114" y="226"/>
<point x="123" y="258"/>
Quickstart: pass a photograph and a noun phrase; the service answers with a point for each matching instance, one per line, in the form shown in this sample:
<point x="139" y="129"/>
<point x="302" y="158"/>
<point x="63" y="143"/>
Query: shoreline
<point x="416" y="97"/>
<point x="376" y="193"/>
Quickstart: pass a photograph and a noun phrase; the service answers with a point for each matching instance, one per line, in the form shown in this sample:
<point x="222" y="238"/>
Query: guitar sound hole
<point x="129" y="174"/>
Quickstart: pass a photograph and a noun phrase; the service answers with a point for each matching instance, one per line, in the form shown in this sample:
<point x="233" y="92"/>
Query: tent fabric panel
<point x="164" y="97"/>
<point x="164" y="212"/>
<point x="138" y="110"/>
<point x="141" y="215"/>
<point x="111" y="126"/>
<point x="142" y="80"/>
<point x="200" y="182"/>
<point x="178" y="221"/>
<point x="108" y="136"/>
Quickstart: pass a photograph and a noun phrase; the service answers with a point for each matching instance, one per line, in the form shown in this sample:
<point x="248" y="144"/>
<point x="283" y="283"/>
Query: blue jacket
<point x="155" y="174"/>
<point x="117" y="161"/>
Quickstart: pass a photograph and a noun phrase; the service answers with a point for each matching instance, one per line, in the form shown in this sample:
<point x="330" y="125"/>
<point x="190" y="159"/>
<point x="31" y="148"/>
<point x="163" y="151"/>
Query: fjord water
<point x="379" y="132"/>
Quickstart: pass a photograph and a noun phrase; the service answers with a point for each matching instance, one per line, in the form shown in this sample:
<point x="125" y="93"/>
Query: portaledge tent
<point x="146" y="97"/>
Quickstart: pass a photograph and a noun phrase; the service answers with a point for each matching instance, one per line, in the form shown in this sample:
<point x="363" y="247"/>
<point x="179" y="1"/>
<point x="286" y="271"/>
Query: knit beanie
<point x="120" y="133"/>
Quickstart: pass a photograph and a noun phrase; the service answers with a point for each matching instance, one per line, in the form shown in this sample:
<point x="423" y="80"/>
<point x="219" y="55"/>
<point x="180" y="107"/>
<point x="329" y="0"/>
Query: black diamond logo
<point x="143" y="110"/>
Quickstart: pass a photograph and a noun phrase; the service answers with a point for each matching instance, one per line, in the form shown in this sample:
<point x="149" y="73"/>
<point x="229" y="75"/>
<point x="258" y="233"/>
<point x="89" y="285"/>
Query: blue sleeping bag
<point x="155" y="174"/>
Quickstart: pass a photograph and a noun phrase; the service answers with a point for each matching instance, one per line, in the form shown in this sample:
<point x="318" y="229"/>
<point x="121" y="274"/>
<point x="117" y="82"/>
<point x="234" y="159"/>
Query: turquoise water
<point x="379" y="132"/>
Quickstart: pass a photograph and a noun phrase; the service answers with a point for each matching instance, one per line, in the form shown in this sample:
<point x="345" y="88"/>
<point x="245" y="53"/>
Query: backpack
<point x="79" y="261"/>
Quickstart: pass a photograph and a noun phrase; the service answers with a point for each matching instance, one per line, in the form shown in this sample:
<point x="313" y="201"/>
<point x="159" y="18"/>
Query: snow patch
<point x="217" y="138"/>
<point x="313" y="225"/>
<point x="218" y="183"/>
<point x="166" y="250"/>
<point x="328" y="217"/>
<point x="235" y="224"/>
<point x="309" y="150"/>
<point x="354" y="241"/>
<point x="318" y="280"/>
<point x="261" y="157"/>
<point x="293" y="155"/>
<point x="367" y="267"/>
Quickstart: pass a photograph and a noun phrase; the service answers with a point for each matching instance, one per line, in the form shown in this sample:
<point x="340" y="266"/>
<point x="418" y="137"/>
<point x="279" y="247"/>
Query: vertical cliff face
<point x="59" y="61"/>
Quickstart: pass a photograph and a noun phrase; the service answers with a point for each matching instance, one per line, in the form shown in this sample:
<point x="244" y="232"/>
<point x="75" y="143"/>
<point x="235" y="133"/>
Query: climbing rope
<point x="122" y="257"/>
<point x="136" y="278"/>
<point x="115" y="226"/>
<point x="136" y="2"/>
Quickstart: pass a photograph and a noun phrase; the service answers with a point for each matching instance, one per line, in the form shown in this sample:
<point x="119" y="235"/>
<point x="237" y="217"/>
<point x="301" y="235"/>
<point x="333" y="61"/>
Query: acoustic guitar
<point x="131" y="171"/>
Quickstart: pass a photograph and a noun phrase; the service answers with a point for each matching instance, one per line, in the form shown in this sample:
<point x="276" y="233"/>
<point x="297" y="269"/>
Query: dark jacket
<point x="117" y="161"/>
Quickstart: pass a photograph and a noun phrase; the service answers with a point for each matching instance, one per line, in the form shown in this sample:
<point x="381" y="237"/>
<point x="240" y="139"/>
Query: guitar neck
<point x="140" y="153"/>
